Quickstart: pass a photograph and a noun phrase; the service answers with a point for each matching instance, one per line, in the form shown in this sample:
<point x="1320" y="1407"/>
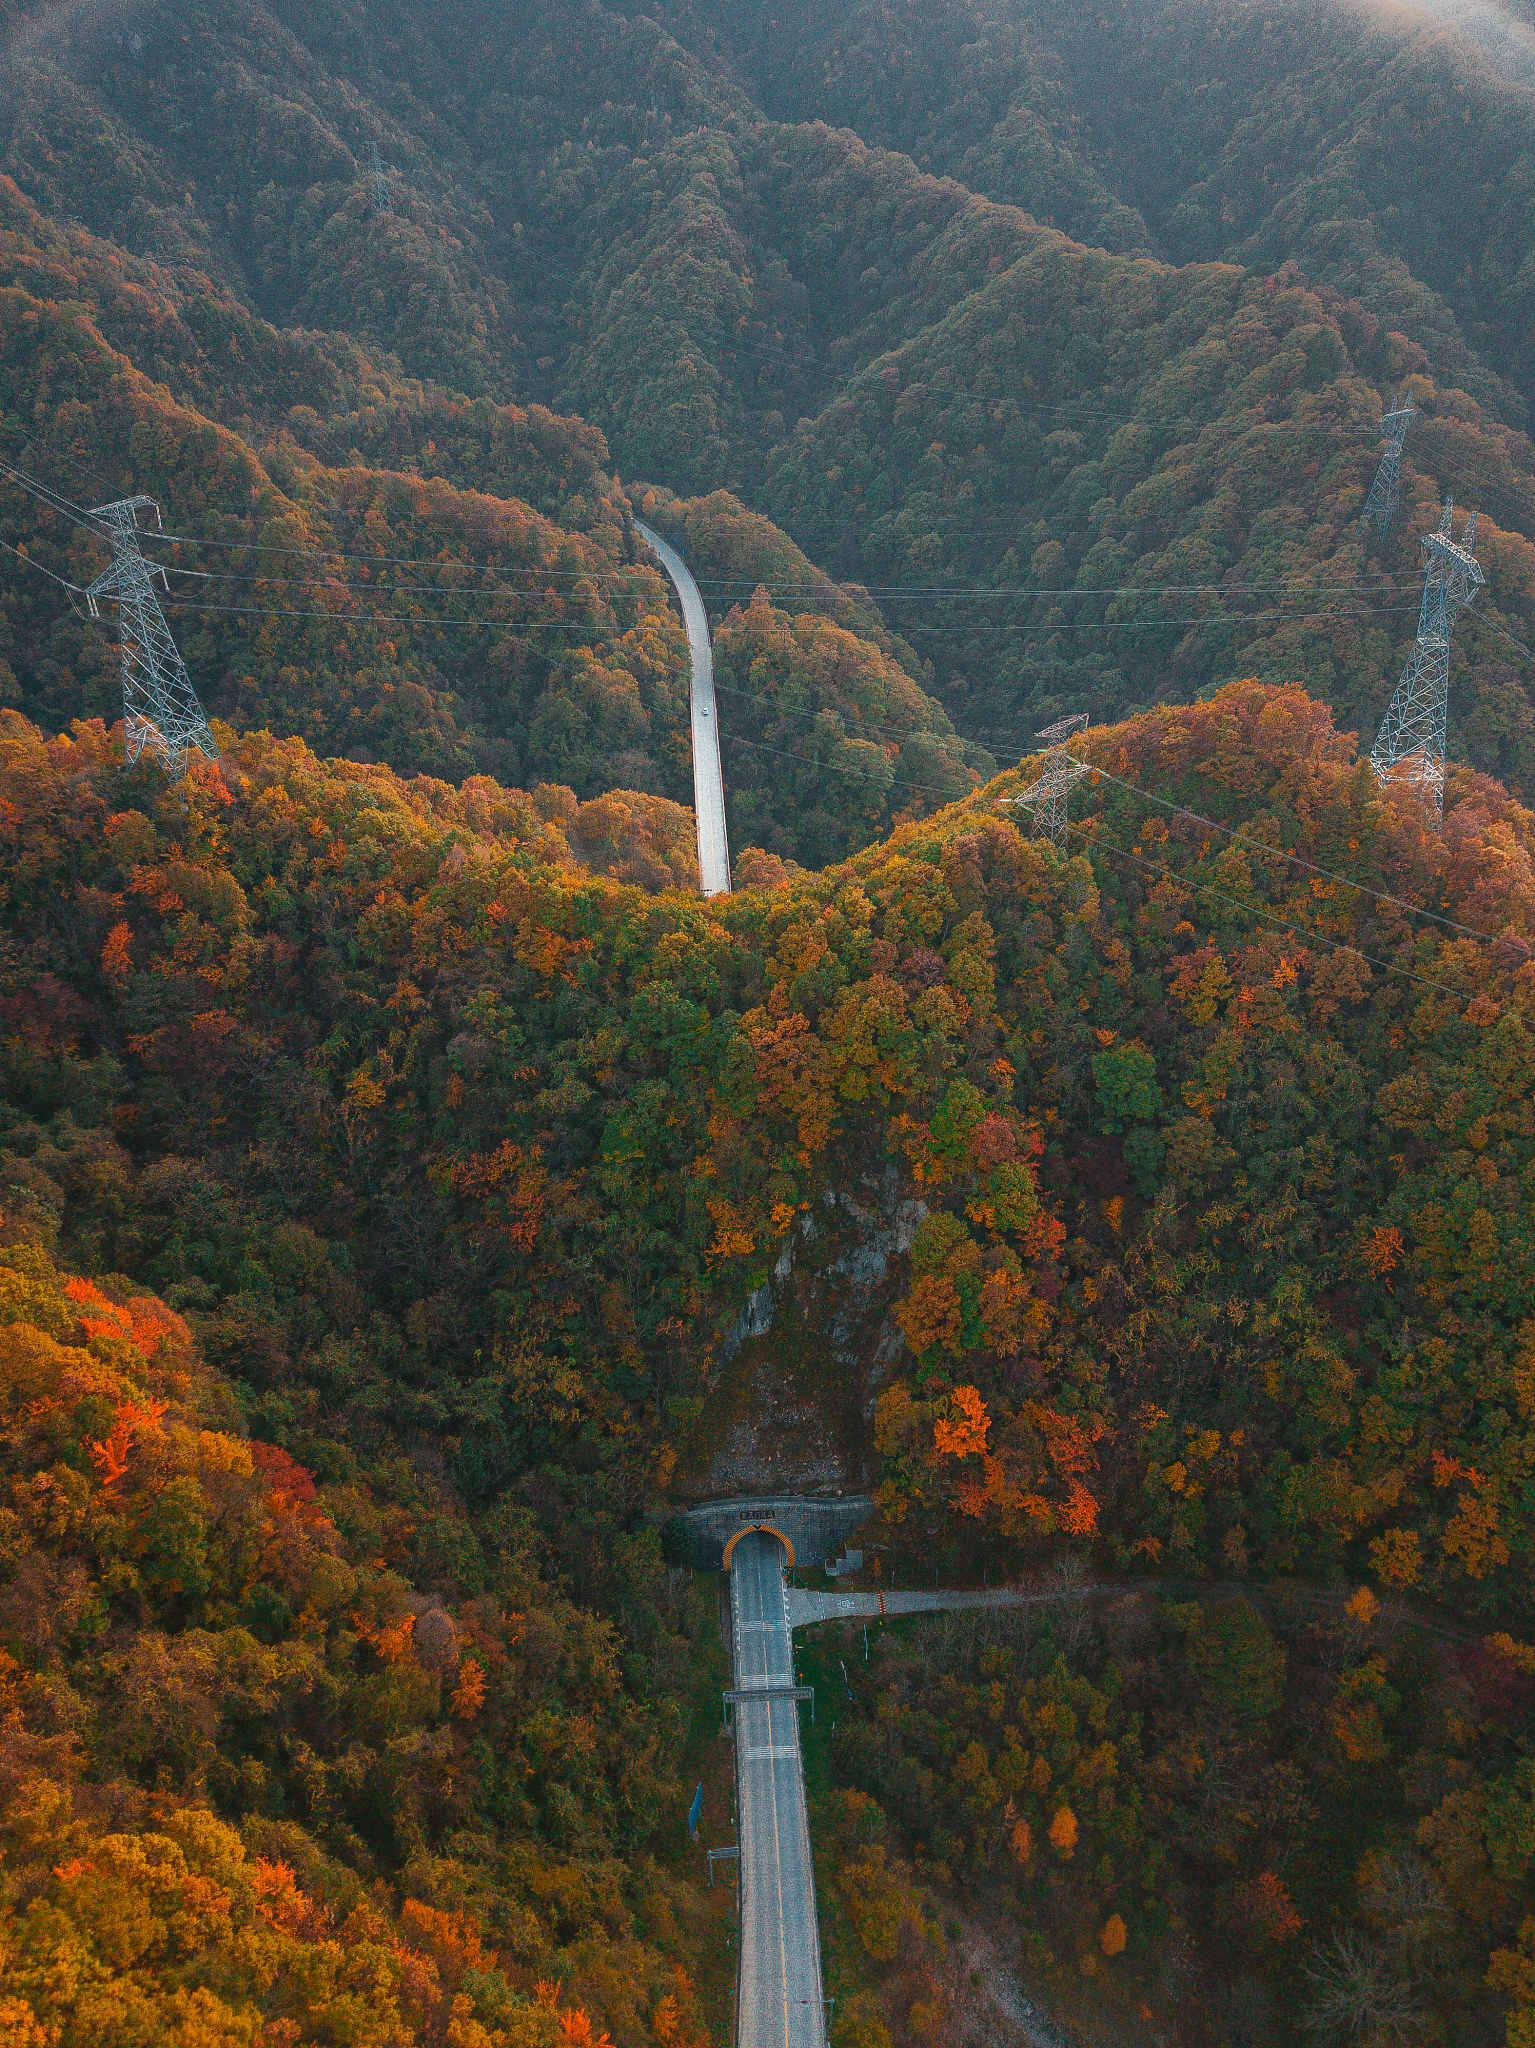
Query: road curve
<point x="708" y="783"/>
<point x="779" y="2001"/>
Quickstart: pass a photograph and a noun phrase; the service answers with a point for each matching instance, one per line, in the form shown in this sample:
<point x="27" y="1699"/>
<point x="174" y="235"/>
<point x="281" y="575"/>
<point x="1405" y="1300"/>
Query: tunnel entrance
<point x="754" y="1529"/>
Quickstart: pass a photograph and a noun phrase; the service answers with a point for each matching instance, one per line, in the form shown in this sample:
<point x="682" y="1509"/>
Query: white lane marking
<point x="771" y="1752"/>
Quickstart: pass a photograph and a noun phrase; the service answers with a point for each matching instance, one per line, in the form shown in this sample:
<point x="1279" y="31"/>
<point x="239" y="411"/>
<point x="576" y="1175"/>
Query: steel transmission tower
<point x="1047" y="797"/>
<point x="1410" y="747"/>
<point x="160" y="708"/>
<point x="379" y="180"/>
<point x="1385" y="492"/>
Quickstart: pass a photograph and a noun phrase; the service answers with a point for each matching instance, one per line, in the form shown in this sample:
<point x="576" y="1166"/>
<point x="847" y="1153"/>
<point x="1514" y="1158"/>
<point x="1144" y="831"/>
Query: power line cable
<point x="1282" y="853"/>
<point x="620" y="579"/>
<point x="601" y="579"/>
<point x="1383" y="580"/>
<point x="927" y="593"/>
<point x="1257" y="910"/>
<point x="1481" y="619"/>
<point x="32" y="562"/>
<point x="1479" y="479"/>
<point x="615" y="581"/>
<point x="1480" y="483"/>
<point x="411" y="561"/>
<point x="824" y="588"/>
<point x="939" y="789"/>
<point x="996" y="744"/>
<point x="57" y="502"/>
<point x="346" y="619"/>
<point x="54" y="500"/>
<point x="69" y="509"/>
<point x="1400" y="903"/>
<point x="1092" y="839"/>
<point x="613" y="591"/>
<point x="1050" y="626"/>
<point x="1018" y="630"/>
<point x="93" y="477"/>
<point x="464" y="593"/>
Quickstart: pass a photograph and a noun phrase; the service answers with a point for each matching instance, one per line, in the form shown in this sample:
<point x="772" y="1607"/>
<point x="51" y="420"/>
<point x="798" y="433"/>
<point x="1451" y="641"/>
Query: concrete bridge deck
<point x="779" y="2001"/>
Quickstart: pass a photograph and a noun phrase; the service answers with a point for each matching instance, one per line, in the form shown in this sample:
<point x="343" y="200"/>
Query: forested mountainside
<point x="233" y="1696"/>
<point x="1390" y="158"/>
<point x="895" y="337"/>
<point x="393" y="1142"/>
<point x="454" y="1163"/>
<point x="451" y="585"/>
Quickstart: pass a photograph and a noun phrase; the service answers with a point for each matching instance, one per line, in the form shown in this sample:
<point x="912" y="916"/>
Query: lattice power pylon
<point x="379" y="179"/>
<point x="160" y="708"/>
<point x="1386" y="491"/>
<point x="1410" y="747"/>
<point x="1047" y="797"/>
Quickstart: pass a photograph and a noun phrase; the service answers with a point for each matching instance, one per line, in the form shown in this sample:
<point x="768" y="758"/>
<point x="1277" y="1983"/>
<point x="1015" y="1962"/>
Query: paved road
<point x="708" y="783"/>
<point x="780" y="2003"/>
<point x="807" y="1607"/>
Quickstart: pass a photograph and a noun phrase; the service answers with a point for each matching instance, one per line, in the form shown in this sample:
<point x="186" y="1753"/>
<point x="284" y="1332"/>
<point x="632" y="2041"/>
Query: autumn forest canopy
<point x="407" y="1178"/>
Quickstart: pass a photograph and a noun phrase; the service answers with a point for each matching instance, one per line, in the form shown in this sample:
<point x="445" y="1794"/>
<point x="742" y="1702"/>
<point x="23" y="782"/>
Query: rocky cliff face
<point x="792" y="1404"/>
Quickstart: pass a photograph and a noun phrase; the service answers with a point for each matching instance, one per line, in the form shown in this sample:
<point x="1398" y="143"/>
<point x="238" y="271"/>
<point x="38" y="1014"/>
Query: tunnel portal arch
<point x="756" y="1529"/>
